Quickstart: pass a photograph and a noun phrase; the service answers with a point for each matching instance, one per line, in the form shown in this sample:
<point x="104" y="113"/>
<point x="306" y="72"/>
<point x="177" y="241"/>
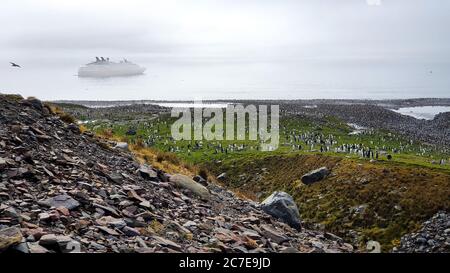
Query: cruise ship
<point x="103" y="67"/>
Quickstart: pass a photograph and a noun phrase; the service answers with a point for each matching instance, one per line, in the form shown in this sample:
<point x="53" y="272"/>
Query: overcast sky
<point x="259" y="29"/>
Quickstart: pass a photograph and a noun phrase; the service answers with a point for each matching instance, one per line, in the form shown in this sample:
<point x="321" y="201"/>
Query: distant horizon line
<point x="263" y="99"/>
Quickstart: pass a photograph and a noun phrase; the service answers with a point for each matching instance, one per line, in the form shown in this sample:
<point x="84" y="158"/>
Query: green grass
<point x="159" y="129"/>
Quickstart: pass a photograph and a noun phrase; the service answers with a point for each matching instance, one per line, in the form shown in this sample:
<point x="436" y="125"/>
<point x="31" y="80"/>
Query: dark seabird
<point x="14" y="64"/>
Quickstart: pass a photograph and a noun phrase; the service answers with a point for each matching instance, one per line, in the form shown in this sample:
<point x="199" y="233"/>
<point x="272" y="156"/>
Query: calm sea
<point x="211" y="79"/>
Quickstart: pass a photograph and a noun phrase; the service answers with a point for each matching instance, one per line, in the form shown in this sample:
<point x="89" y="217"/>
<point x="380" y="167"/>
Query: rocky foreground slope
<point x="62" y="190"/>
<point x="433" y="237"/>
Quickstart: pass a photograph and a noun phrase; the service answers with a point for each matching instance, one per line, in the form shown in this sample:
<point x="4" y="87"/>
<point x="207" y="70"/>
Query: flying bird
<point x="14" y="64"/>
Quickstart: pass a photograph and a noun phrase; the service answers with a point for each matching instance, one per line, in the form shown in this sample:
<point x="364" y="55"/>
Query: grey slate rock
<point x="62" y="200"/>
<point x="315" y="175"/>
<point x="281" y="205"/>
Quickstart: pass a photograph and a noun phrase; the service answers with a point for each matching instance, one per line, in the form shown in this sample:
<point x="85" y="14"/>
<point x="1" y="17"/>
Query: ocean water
<point x="174" y="79"/>
<point x="423" y="112"/>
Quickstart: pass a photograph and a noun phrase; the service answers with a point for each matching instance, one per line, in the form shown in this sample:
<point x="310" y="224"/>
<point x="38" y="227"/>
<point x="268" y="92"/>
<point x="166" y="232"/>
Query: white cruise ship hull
<point x="110" y="70"/>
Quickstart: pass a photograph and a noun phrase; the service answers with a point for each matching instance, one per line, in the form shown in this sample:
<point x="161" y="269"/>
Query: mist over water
<point x="169" y="79"/>
<point x="252" y="49"/>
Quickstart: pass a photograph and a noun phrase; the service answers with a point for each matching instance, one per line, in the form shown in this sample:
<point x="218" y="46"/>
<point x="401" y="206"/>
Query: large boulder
<point x="282" y="206"/>
<point x="315" y="175"/>
<point x="186" y="182"/>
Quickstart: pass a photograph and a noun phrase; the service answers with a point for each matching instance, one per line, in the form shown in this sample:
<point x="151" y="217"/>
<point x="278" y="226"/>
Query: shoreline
<point x="393" y="104"/>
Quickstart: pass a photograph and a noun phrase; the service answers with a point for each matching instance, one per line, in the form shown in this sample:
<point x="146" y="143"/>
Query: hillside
<point x="359" y="200"/>
<point x="62" y="189"/>
<point x="365" y="197"/>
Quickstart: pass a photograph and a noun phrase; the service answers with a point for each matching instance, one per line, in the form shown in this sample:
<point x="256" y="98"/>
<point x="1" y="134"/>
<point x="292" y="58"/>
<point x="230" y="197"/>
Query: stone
<point x="9" y="236"/>
<point x="111" y="221"/>
<point x="147" y="173"/>
<point x="133" y="195"/>
<point x="35" y="103"/>
<point x="61" y="201"/>
<point x="289" y="250"/>
<point x="108" y="209"/>
<point x="315" y="176"/>
<point x="96" y="246"/>
<point x="129" y="231"/>
<point x="131" y="132"/>
<point x="21" y="248"/>
<point x="44" y="216"/>
<point x="316" y="244"/>
<point x="74" y="128"/>
<point x="35" y="233"/>
<point x="122" y="146"/>
<point x="252" y="234"/>
<point x="186" y="182"/>
<point x="222" y="176"/>
<point x="58" y="242"/>
<point x="166" y="242"/>
<point x="200" y="180"/>
<point x="64" y="211"/>
<point x="13" y="214"/>
<point x="179" y="228"/>
<point x="115" y="178"/>
<point x="2" y="163"/>
<point x="36" y="248"/>
<point x="189" y="224"/>
<point x="48" y="239"/>
<point x="361" y="209"/>
<point x="145" y="204"/>
<point x="282" y="206"/>
<point x="273" y="235"/>
<point x="421" y="240"/>
<point x="108" y="230"/>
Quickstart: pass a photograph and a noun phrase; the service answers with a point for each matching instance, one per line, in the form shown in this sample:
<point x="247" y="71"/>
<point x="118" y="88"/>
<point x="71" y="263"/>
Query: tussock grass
<point x="13" y="97"/>
<point x="56" y="110"/>
<point x="161" y="160"/>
